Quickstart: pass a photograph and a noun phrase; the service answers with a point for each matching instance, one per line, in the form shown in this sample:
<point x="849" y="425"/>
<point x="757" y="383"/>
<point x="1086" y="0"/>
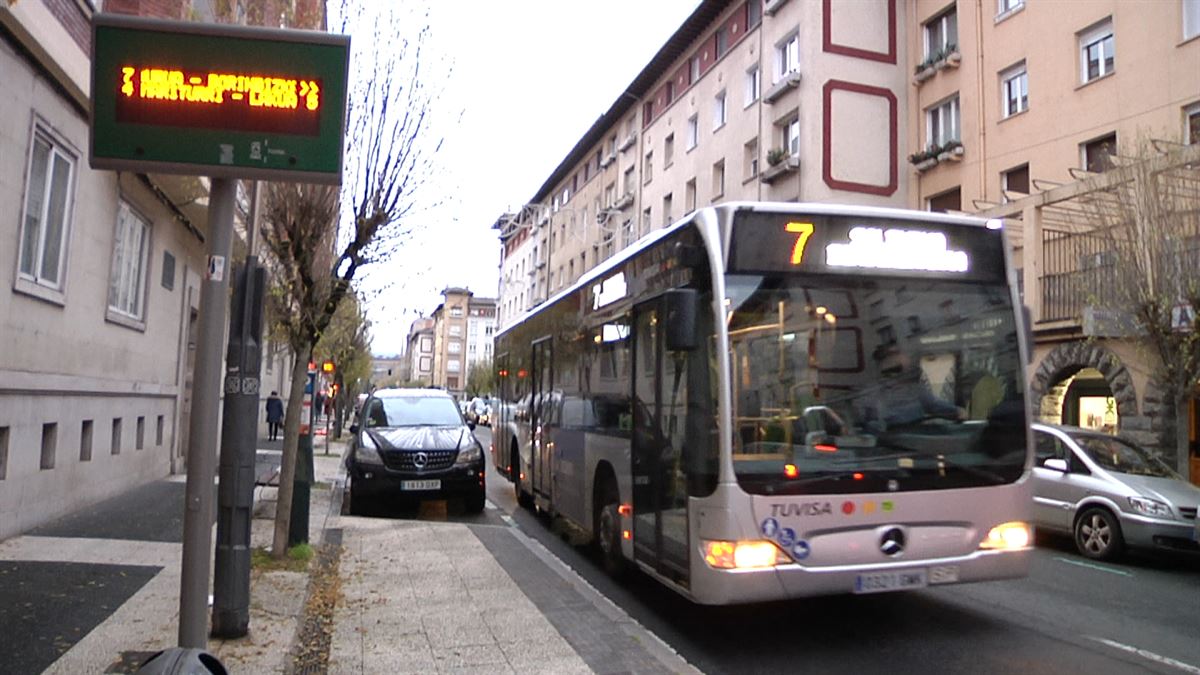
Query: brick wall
<point x="71" y="15"/>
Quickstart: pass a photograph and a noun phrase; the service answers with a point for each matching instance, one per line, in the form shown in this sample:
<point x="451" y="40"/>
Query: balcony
<point x="782" y="166"/>
<point x="628" y="142"/>
<point x="624" y="201"/>
<point x="948" y="57"/>
<point x="772" y="6"/>
<point x="608" y="159"/>
<point x="789" y="82"/>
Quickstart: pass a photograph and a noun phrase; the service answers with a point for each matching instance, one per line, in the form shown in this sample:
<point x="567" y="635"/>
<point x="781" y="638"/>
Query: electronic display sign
<point x="765" y="242"/>
<point x="217" y="100"/>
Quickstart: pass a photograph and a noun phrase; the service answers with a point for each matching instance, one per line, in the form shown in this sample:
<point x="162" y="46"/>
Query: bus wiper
<point x="943" y="460"/>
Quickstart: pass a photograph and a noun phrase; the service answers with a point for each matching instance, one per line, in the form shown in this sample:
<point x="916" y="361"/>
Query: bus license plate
<point x="420" y="485"/>
<point x="880" y="582"/>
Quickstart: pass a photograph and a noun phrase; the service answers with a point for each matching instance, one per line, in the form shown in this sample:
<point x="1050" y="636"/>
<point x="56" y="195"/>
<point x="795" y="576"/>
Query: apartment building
<point x="481" y="327"/>
<point x="418" y="354"/>
<point x="1019" y="104"/>
<point x="780" y="101"/>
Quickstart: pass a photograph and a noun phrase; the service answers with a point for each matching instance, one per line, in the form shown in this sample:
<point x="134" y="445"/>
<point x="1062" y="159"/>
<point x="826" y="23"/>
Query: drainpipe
<point x="979" y="101"/>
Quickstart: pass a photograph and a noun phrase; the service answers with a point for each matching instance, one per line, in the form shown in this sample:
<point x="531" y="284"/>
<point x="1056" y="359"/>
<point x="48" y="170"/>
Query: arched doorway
<point x="1085" y="385"/>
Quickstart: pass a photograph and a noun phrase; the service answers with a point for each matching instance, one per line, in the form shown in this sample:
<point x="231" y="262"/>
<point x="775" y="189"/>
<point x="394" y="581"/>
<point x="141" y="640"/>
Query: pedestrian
<point x="274" y="415"/>
<point x="319" y="405"/>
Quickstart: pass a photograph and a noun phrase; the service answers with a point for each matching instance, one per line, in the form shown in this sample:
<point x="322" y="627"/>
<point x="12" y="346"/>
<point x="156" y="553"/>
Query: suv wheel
<point x="475" y="503"/>
<point x="358" y="503"/>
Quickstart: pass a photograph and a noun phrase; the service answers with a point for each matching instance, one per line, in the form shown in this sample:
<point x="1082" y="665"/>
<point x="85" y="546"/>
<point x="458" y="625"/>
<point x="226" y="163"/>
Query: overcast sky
<point x="527" y="78"/>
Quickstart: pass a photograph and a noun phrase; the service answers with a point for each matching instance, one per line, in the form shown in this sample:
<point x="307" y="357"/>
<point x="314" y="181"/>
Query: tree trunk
<point x="291" y="442"/>
<point x="1182" y="421"/>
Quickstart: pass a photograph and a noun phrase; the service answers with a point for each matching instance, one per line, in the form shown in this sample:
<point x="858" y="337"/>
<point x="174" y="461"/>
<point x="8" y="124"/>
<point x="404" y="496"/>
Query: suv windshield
<point x="871" y="385"/>
<point x="413" y="411"/>
<point x="1120" y="456"/>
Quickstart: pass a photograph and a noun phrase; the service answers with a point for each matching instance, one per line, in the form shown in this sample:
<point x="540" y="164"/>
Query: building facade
<point x="419" y="352"/>
<point x="777" y="101"/>
<point x="481" y="327"/>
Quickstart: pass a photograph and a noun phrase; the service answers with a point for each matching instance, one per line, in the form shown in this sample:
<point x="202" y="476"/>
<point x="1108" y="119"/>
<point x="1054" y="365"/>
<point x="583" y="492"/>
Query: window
<point x="168" y="271"/>
<point x="942" y="123"/>
<point x="951" y="200"/>
<point x="753" y="14"/>
<point x="630" y="183"/>
<point x="668" y="150"/>
<point x="3" y="453"/>
<point x="941" y="33"/>
<point x="630" y="234"/>
<point x="646" y="219"/>
<point x="1006" y="6"/>
<point x="85" y="441"/>
<point x="1191" y="124"/>
<point x="456" y="331"/>
<point x="454" y="347"/>
<point x="787" y="56"/>
<point x="127" y="279"/>
<point x="1014" y="86"/>
<point x="116" y="436"/>
<point x="693" y="132"/>
<point x="425" y="364"/>
<point x="1097" y="155"/>
<point x="1015" y="180"/>
<point x="648" y="167"/>
<point x="750" y="159"/>
<point x="140" y="438"/>
<point x="453" y="366"/>
<point x="670" y="91"/>
<point x="718" y="179"/>
<point x="610" y="195"/>
<point x="790" y="136"/>
<point x="722" y="41"/>
<point x="158" y="431"/>
<point x="1096" y="51"/>
<point x="719" y="111"/>
<point x="457" y="312"/>
<point x="49" y="444"/>
<point x="1191" y="19"/>
<point x="694" y="69"/>
<point x="47" y="211"/>
<point x="753" y="84"/>
<point x="666" y="210"/>
<point x="689" y="196"/>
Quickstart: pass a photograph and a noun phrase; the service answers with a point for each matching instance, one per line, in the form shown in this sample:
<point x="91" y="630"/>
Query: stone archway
<point x="1068" y="358"/>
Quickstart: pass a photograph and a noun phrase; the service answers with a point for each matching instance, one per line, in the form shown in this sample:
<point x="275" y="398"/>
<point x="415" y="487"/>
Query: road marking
<point x="508" y="520"/>
<point x="1157" y="658"/>
<point x="1093" y="566"/>
<point x="490" y="506"/>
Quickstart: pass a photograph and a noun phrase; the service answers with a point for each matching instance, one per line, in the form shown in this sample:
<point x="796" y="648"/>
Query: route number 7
<point x="803" y="231"/>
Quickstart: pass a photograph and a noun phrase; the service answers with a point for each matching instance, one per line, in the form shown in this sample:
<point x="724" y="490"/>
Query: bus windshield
<point x="855" y="385"/>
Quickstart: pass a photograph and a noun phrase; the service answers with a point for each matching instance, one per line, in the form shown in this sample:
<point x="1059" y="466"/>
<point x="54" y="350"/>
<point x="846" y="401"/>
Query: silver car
<point x="1108" y="494"/>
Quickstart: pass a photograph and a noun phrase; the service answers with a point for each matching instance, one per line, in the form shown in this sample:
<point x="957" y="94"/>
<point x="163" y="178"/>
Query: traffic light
<point x="327" y="367"/>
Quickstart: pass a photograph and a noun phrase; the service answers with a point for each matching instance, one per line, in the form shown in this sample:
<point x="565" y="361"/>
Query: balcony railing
<point x="1078" y="270"/>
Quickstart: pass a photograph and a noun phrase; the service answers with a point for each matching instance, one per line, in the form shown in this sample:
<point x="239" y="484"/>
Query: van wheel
<point x="524" y="499"/>
<point x="1098" y="534"/>
<point x="607" y="531"/>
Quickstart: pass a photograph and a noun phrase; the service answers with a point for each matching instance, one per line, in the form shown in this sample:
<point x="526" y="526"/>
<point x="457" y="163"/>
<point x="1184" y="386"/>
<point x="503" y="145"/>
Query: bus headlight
<point x="1008" y="536"/>
<point x="729" y="555"/>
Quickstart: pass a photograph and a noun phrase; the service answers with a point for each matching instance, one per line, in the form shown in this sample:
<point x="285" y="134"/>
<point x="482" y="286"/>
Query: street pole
<point x="202" y="444"/>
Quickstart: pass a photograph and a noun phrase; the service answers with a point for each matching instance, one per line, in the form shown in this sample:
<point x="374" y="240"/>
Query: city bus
<point x="735" y="405"/>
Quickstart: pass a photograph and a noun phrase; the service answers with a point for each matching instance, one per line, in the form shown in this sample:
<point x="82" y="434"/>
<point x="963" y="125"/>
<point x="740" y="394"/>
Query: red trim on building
<point x="827" y="32"/>
<point x="827" y="138"/>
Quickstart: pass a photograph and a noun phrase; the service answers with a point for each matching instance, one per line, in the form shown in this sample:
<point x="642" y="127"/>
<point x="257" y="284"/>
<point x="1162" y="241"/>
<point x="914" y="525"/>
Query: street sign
<point x="1183" y="317"/>
<point x="217" y="100"/>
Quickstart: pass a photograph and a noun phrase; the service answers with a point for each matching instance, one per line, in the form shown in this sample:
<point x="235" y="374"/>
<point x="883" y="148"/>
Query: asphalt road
<point x="1069" y="616"/>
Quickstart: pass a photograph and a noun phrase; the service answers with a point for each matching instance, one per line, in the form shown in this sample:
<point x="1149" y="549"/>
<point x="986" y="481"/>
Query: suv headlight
<point x="367" y="452"/>
<point x="1150" y="507"/>
<point x="469" y="455"/>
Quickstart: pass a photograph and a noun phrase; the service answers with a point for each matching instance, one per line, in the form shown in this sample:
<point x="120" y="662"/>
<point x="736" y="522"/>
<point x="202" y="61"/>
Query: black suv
<point x="413" y="444"/>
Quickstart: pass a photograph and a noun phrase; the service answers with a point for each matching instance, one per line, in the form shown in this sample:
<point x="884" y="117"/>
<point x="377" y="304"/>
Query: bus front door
<point x="539" y="411"/>
<point x="660" y="530"/>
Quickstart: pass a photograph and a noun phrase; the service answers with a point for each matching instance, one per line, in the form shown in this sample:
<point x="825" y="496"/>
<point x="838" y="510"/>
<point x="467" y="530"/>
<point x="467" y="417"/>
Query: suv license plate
<point x="420" y="485"/>
<point x="880" y="582"/>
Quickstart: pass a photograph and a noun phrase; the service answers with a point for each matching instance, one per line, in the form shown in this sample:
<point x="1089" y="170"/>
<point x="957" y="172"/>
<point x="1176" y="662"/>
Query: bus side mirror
<point x="681" y="311"/>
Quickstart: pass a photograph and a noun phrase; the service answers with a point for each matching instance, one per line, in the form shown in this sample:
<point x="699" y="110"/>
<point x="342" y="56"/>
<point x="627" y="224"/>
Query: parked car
<point x="1108" y="494"/>
<point x="410" y="445"/>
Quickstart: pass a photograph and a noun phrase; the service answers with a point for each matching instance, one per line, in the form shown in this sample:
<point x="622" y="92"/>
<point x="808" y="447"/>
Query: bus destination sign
<point x="767" y="242"/>
<point x="216" y="100"/>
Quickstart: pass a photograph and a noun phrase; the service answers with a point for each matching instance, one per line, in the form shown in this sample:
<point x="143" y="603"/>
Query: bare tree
<point x="1146" y="211"/>
<point x="321" y="237"/>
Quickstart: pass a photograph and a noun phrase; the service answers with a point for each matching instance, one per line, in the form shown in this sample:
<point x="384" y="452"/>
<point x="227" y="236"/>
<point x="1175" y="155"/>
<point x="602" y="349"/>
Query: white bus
<point x="769" y="400"/>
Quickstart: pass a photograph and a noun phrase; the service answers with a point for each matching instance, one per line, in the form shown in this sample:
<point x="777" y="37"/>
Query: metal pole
<point x="202" y="433"/>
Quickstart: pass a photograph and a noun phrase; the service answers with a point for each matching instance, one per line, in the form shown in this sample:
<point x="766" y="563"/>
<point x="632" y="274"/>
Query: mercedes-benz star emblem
<point x="420" y="459"/>
<point x="892" y="542"/>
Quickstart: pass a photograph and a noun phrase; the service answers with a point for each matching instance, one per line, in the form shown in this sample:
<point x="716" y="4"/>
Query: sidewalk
<point x="384" y="596"/>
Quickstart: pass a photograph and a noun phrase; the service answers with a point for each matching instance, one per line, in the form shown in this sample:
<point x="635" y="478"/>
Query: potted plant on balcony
<point x="952" y="151"/>
<point x="925" y="69"/>
<point x="776" y="155"/>
<point x="952" y="56"/>
<point x="926" y="159"/>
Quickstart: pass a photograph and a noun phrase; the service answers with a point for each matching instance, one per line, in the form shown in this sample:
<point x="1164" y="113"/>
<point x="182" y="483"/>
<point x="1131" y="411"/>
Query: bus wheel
<point x="608" y="534"/>
<point x="523" y="498"/>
